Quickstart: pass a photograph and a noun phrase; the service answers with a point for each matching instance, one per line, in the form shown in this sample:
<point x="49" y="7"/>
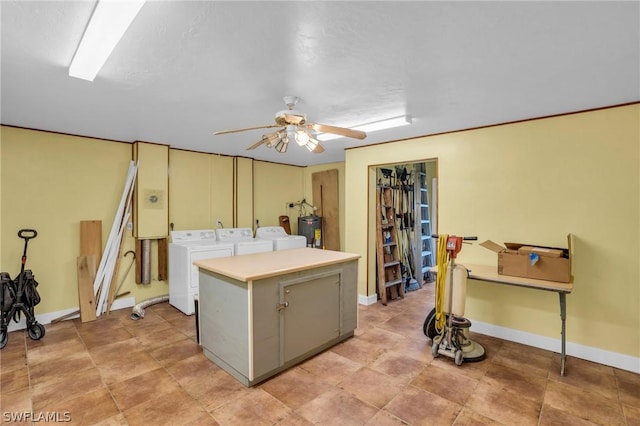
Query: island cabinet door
<point x="299" y="314"/>
<point x="310" y="314"/>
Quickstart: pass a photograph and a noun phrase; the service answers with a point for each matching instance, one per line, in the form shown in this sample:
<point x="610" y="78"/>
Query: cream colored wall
<point x="222" y="189"/>
<point x="201" y="190"/>
<point x="308" y="194"/>
<point x="190" y="190"/>
<point x="275" y="185"/>
<point x="244" y="208"/>
<point x="533" y="182"/>
<point x="151" y="218"/>
<point x="50" y="182"/>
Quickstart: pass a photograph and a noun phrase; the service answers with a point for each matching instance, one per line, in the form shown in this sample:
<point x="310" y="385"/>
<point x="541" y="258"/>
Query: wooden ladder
<point x="388" y="264"/>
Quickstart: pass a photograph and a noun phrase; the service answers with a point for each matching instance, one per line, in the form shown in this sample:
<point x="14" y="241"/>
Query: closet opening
<point x="405" y="216"/>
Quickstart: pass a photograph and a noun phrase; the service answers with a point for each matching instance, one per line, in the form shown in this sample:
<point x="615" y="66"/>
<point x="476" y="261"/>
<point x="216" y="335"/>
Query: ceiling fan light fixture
<point x="108" y="23"/>
<point x="388" y="123"/>
<point x="294" y="127"/>
<point x="311" y="144"/>
<point x="291" y="133"/>
<point x="272" y="139"/>
<point x="302" y="137"/>
<point x="283" y="143"/>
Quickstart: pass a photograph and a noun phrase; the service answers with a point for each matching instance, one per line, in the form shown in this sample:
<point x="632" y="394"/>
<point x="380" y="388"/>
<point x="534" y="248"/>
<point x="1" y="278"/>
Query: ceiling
<point x="186" y="69"/>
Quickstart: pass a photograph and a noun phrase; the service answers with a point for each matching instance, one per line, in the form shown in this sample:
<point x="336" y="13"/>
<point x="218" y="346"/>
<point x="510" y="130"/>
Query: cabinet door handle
<point x="281" y="306"/>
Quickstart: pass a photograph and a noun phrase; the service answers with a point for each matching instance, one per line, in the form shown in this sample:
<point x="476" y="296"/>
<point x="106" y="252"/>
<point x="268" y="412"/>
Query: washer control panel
<point x="234" y="234"/>
<point x="193" y="235"/>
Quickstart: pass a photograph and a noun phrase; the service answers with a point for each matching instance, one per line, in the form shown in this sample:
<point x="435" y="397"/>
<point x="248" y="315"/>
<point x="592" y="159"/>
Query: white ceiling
<point x="186" y="69"/>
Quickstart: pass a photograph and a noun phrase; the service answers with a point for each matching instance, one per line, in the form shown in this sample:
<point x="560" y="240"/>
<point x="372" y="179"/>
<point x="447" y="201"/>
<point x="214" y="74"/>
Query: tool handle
<point x="469" y="238"/>
<point x="27" y="234"/>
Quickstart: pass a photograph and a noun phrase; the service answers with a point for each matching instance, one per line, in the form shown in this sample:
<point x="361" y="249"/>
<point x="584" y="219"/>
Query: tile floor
<point x="116" y="371"/>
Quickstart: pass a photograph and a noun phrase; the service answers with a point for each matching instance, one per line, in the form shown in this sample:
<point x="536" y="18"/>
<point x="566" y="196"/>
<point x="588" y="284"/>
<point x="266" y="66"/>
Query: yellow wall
<point x="198" y="179"/>
<point x="533" y="182"/>
<point x="51" y="182"/>
<point x="191" y="171"/>
<point x="222" y="189"/>
<point x="201" y="190"/>
<point x="243" y="193"/>
<point x="151" y="207"/>
<point x="274" y="186"/>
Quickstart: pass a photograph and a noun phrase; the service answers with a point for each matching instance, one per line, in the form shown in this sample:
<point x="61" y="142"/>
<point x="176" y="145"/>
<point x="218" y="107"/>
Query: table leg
<point x="563" y="317"/>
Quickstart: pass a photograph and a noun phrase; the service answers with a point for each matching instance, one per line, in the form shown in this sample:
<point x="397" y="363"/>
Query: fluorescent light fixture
<point x="108" y="23"/>
<point x="389" y="123"/>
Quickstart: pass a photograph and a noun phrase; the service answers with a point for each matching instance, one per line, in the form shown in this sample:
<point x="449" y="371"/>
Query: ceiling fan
<point x="294" y="128"/>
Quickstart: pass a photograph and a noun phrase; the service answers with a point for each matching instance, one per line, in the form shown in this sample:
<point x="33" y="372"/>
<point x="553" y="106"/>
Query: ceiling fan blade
<point x="264" y="139"/>
<point x="224" y="132"/>
<point x="350" y="133"/>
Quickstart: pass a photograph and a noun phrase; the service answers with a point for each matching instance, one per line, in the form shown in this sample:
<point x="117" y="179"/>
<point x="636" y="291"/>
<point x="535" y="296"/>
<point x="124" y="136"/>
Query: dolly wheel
<point x="4" y="338"/>
<point x="36" y="331"/>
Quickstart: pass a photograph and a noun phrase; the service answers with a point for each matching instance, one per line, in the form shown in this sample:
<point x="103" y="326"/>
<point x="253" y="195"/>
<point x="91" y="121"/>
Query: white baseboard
<point x="46" y="318"/>
<point x="367" y="300"/>
<point x="601" y="356"/>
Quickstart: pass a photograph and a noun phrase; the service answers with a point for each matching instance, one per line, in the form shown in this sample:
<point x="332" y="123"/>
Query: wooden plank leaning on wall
<point x="325" y="198"/>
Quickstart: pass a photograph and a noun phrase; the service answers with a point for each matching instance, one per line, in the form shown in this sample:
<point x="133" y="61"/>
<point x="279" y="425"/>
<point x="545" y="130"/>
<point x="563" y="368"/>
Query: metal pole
<point x="563" y="317"/>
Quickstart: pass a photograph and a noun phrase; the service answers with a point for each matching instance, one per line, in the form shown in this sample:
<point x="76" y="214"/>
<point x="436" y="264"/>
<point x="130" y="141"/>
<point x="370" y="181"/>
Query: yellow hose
<point x="443" y="263"/>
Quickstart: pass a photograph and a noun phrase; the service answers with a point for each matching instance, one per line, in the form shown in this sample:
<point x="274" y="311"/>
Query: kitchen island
<point x="262" y="313"/>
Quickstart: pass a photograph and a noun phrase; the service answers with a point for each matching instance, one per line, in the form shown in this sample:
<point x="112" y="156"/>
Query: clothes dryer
<point x="281" y="240"/>
<point x="185" y="248"/>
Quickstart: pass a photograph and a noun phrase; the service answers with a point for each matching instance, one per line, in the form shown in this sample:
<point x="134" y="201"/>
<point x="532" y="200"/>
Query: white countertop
<point x="255" y="266"/>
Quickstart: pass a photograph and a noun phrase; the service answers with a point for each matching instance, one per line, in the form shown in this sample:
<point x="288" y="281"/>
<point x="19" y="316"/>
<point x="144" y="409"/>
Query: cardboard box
<point x="541" y="251"/>
<point x="531" y="261"/>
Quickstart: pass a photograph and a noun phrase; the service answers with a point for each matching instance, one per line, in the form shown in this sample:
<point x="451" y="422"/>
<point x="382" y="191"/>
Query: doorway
<point x="402" y="217"/>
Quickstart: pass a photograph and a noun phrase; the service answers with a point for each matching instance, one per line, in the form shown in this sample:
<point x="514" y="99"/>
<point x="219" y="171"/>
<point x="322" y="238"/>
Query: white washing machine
<point x="185" y="248"/>
<point x="281" y="240"/>
<point x="243" y="241"/>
